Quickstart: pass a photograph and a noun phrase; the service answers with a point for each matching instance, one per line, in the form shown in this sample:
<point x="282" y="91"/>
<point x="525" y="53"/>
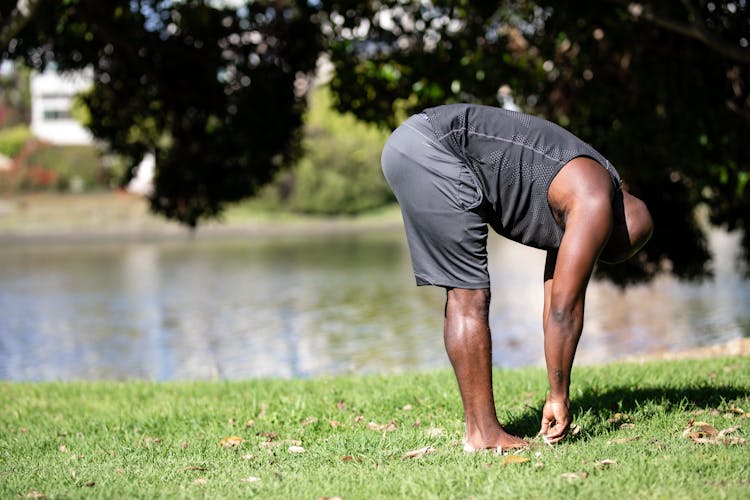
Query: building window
<point x="56" y="114"/>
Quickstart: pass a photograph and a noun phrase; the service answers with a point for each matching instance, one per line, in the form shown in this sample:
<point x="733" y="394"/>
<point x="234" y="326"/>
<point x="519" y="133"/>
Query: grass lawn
<point x="349" y="437"/>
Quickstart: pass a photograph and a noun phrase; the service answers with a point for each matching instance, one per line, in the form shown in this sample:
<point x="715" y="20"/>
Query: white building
<point x="52" y="95"/>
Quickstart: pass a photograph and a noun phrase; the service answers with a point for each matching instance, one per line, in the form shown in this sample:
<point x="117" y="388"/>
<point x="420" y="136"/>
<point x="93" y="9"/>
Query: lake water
<point x="301" y="307"/>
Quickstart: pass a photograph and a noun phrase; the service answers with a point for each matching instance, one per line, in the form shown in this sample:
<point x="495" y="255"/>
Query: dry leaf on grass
<point x="231" y="441"/>
<point x="575" y="475"/>
<point x="63" y="448"/>
<point x="703" y="433"/>
<point x="418" y="453"/>
<point x="248" y="457"/>
<point x="334" y="423"/>
<point x="435" y="432"/>
<point x="295" y="449"/>
<point x="627" y="426"/>
<point x="35" y="494"/>
<point x="606" y="462"/>
<point x="149" y="440"/>
<point x="699" y="430"/>
<point x="728" y="430"/>
<point x="407" y="407"/>
<point x="200" y="481"/>
<point x="618" y="418"/>
<point x="309" y="420"/>
<point x="514" y="459"/>
<point x="391" y="426"/>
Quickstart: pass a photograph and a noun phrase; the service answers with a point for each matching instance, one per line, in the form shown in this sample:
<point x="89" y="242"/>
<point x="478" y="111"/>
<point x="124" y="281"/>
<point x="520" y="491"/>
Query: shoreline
<point x="737" y="347"/>
<point x="122" y="217"/>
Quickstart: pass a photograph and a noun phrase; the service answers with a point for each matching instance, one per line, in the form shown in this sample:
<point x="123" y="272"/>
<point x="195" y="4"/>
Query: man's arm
<point x="567" y="272"/>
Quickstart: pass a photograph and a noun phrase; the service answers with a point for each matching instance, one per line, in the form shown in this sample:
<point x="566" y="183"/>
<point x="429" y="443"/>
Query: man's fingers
<point x="555" y="436"/>
<point x="553" y="440"/>
<point x="546" y="423"/>
<point x="557" y="433"/>
<point x="545" y="427"/>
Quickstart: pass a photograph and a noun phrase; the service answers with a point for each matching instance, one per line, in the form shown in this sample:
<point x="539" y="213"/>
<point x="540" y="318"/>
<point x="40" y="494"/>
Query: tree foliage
<point x="670" y="111"/>
<point x="217" y="94"/>
<point x="15" y="98"/>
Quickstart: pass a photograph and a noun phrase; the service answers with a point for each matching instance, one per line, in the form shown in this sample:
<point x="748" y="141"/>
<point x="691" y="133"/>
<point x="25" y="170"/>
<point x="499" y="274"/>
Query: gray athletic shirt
<point x="513" y="157"/>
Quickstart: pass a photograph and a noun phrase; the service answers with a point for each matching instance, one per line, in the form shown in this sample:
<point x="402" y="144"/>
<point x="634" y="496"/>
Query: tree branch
<point x="695" y="28"/>
<point x="19" y="17"/>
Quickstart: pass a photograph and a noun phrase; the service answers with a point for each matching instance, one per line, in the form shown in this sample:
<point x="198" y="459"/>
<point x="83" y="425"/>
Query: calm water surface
<point x="287" y="307"/>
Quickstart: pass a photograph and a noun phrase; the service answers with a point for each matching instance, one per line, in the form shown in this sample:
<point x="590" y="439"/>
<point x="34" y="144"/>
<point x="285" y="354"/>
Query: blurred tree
<point x="14" y="15"/>
<point x="216" y="93"/>
<point x="661" y="88"/>
<point x="15" y="98"/>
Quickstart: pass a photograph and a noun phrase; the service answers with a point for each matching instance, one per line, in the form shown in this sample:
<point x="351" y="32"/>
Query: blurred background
<point x="192" y="189"/>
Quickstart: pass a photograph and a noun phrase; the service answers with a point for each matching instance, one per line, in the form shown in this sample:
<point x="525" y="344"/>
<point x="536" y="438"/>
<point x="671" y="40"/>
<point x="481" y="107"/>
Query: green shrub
<point x="75" y="168"/>
<point x="60" y="168"/>
<point x="12" y="139"/>
<point x="340" y="170"/>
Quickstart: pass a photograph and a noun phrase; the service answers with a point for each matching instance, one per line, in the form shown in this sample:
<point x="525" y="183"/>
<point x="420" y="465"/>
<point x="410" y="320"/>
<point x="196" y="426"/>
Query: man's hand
<point x="555" y="420"/>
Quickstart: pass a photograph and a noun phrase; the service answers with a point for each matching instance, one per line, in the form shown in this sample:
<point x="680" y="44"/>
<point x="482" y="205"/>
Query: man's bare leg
<point x="469" y="347"/>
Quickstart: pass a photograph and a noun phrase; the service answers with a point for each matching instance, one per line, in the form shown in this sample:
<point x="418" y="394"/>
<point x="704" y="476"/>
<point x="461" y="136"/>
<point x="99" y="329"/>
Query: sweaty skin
<point x="597" y="221"/>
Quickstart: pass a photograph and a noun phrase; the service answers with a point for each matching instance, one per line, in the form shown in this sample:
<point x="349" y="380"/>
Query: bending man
<point x="459" y="168"/>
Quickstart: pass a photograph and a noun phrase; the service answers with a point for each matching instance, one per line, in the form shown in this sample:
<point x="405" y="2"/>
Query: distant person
<point x="456" y="169"/>
<point x="505" y="98"/>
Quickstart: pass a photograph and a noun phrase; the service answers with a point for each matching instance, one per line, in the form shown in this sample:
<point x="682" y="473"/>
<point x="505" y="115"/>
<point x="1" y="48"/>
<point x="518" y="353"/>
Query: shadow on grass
<point x="602" y="404"/>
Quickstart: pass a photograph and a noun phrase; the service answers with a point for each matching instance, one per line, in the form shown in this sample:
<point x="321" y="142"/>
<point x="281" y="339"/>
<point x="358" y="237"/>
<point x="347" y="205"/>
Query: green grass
<point x="161" y="440"/>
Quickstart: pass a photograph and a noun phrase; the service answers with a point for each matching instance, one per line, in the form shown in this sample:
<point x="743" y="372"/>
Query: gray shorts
<point x="441" y="205"/>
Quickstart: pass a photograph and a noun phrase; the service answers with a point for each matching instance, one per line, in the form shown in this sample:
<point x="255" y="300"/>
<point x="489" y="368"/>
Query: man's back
<point x="514" y="157"/>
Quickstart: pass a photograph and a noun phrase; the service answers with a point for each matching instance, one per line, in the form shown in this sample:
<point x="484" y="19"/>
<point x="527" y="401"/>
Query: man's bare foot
<point x="503" y="441"/>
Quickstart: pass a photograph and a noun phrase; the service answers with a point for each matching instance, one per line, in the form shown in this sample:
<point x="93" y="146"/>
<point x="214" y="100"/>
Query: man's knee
<point x="468" y="302"/>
